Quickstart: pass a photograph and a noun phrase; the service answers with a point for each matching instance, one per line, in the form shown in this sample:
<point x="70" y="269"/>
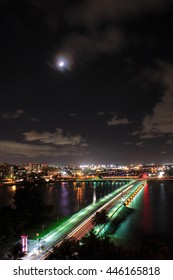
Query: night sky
<point x="86" y="81"/>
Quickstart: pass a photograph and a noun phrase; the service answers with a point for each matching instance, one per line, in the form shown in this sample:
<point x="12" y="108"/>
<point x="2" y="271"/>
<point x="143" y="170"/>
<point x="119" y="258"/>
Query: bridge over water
<point x="105" y="179"/>
<point x="78" y="221"/>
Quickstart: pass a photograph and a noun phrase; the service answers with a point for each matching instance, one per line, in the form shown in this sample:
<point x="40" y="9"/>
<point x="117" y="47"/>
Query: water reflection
<point x="94" y="194"/>
<point x="79" y="197"/>
<point x="163" y="210"/>
<point x="66" y="197"/>
<point x="146" y="212"/>
<point x="152" y="218"/>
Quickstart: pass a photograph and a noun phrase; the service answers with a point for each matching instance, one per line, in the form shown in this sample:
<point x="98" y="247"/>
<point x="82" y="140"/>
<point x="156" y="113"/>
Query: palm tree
<point x="100" y="218"/>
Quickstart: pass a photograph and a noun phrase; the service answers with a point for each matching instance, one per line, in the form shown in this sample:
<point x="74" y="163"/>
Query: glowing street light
<point x="24" y="239"/>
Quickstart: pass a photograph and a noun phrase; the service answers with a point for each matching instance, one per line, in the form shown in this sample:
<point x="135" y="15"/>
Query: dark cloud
<point x="100" y="113"/>
<point x="92" y="12"/>
<point x="72" y="115"/>
<point x="59" y="137"/>
<point x="160" y="121"/>
<point x="169" y="141"/>
<point x="128" y="143"/>
<point x="33" y="119"/>
<point x="16" y="149"/>
<point x="140" y="144"/>
<point x="118" y="121"/>
<point x="114" y="34"/>
<point x="81" y="49"/>
<point x="13" y="114"/>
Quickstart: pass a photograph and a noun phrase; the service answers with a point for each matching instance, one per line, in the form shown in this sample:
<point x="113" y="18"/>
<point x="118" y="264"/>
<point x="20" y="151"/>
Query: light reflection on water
<point x="152" y="216"/>
<point x="66" y="197"/>
<point x="153" y="206"/>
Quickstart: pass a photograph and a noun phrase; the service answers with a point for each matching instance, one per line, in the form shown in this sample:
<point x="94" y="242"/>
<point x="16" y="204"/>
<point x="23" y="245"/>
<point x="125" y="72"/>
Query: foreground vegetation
<point x="92" y="247"/>
<point x="27" y="210"/>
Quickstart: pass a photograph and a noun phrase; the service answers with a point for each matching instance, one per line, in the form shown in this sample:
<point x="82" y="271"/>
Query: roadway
<point x="111" y="208"/>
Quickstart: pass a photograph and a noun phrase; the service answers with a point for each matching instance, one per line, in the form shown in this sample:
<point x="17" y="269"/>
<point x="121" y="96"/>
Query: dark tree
<point x="29" y="203"/>
<point x="89" y="247"/>
<point x="100" y="218"/>
<point x="68" y="250"/>
<point x="93" y="247"/>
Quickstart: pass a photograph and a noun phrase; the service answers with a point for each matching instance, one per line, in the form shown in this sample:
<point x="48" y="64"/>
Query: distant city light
<point x="161" y="174"/>
<point x="14" y="188"/>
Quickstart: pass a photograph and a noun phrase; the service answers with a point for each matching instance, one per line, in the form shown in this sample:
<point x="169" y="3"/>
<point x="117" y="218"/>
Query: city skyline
<point x="86" y="83"/>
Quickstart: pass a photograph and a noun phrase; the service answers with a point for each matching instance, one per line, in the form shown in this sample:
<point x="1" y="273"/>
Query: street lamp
<point x="24" y="239"/>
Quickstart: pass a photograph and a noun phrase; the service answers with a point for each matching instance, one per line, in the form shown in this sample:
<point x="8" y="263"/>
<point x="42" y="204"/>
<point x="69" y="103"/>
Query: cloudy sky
<point x="86" y="81"/>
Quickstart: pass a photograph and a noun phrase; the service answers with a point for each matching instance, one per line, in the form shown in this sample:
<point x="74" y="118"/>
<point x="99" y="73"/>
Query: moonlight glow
<point x="62" y="63"/>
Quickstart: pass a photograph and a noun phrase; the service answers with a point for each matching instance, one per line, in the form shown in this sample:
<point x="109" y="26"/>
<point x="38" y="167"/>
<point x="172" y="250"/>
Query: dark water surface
<point x="152" y="217"/>
<point x="66" y="197"/>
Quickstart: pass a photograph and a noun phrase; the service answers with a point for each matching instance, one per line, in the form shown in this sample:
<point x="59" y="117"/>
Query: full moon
<point x="62" y="63"/>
